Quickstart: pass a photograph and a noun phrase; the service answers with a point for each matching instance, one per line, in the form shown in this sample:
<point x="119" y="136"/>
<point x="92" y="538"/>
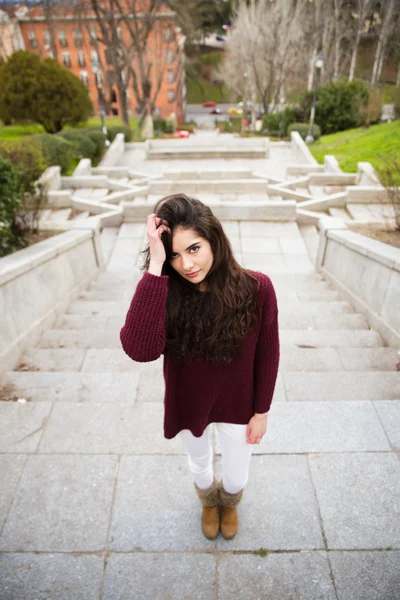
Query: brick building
<point x="75" y="42"/>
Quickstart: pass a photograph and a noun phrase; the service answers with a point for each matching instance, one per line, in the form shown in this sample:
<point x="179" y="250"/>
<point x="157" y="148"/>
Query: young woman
<point x="217" y="325"/>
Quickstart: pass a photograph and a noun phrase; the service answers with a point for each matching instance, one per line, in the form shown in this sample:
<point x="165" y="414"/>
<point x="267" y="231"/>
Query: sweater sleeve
<point x="267" y="351"/>
<point x="144" y="333"/>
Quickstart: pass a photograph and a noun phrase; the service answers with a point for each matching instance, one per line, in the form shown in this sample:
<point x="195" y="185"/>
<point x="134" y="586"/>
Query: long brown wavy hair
<point x="209" y="324"/>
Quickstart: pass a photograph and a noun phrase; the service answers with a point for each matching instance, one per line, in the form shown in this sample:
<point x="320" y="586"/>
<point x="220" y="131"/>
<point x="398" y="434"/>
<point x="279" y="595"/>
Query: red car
<point x="209" y="104"/>
<point x="216" y="111"/>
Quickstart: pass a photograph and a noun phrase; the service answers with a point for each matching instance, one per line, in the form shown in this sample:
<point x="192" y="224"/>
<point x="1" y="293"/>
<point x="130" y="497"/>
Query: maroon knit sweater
<point x="198" y="392"/>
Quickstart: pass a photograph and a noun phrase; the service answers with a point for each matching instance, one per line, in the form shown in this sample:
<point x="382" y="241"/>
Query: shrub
<point x="190" y="127"/>
<point x="234" y="125"/>
<point x="28" y="158"/>
<point x="114" y="129"/>
<point x="83" y="145"/>
<point x="160" y="125"/>
<point x="99" y="140"/>
<point x="211" y="58"/>
<point x="56" y="150"/>
<point x="302" y="128"/>
<point x="274" y="122"/>
<point x="338" y="105"/>
<point x="41" y="91"/>
<point x="10" y="237"/>
<point x="371" y="112"/>
<point x="396" y="101"/>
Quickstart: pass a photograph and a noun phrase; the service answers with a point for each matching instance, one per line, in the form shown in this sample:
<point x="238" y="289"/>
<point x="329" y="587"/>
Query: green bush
<point x="10" y="237"/>
<point x="41" y="91"/>
<point x="99" y="140"/>
<point x="83" y="145"/>
<point x="57" y="151"/>
<point x="338" y="105"/>
<point x="190" y="127"/>
<point x="114" y="129"/>
<point x="278" y="123"/>
<point x="234" y="125"/>
<point x="302" y="128"/>
<point x="212" y="58"/>
<point x="160" y="125"/>
<point x="28" y="158"/>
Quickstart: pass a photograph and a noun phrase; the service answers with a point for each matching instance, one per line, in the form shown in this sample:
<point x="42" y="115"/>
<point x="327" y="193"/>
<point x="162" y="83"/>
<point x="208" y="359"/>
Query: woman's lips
<point x="193" y="274"/>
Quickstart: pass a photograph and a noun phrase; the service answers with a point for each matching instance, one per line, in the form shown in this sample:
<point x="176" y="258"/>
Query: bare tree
<point x="389" y="13"/>
<point x="263" y="48"/>
<point x="361" y="11"/>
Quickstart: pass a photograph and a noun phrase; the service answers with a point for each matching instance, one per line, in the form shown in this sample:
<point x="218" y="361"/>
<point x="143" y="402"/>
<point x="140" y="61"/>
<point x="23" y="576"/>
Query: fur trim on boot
<point x="210" y="514"/>
<point x="229" y="516"/>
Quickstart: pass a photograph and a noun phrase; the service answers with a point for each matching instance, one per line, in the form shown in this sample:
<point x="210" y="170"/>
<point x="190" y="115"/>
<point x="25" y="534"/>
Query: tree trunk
<point x="378" y="53"/>
<point x="398" y="75"/>
<point x="311" y="71"/>
<point x="354" y="55"/>
<point x="122" y="100"/>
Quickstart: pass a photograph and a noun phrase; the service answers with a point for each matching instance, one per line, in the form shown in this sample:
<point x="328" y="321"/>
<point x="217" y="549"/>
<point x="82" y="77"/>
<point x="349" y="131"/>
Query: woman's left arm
<point x="266" y="363"/>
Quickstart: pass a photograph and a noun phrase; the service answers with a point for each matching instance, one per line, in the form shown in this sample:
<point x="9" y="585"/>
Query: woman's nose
<point x="187" y="263"/>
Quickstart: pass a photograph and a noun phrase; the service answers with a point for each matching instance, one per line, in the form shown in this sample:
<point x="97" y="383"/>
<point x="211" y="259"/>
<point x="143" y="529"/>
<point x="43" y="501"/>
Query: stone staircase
<point x="102" y="489"/>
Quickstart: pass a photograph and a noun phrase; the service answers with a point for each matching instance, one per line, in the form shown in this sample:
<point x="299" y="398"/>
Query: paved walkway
<point x="96" y="504"/>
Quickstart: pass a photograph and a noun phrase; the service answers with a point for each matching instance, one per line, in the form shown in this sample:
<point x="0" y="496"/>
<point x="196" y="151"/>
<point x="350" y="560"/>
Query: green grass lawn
<point x="14" y="132"/>
<point x="208" y="91"/>
<point x="375" y="145"/>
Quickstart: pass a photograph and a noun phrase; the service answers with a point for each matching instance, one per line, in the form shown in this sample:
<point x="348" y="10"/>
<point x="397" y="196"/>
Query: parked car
<point x="209" y="104"/>
<point x="216" y="111"/>
<point x="235" y="111"/>
<point x="181" y="133"/>
<point x="220" y="38"/>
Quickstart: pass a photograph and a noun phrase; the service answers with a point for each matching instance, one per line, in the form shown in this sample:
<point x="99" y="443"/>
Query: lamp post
<point x="95" y="71"/>
<point x="318" y="64"/>
<point x="281" y="108"/>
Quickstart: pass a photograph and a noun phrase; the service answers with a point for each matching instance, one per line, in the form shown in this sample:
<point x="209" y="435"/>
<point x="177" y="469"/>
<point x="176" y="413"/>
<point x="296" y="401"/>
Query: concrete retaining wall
<point x="366" y="271"/>
<point x="115" y="151"/>
<point x="38" y="283"/>
<point x="300" y="150"/>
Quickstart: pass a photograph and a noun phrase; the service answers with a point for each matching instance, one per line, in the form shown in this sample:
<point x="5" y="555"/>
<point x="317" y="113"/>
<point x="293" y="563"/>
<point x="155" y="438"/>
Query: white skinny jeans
<point x="235" y="452"/>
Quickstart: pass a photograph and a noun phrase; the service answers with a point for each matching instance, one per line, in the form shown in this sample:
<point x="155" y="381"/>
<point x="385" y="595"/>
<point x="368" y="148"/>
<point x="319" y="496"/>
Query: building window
<point x="81" y="58"/>
<point x="32" y="38"/>
<point x="84" y="77"/>
<point x="47" y="38"/>
<point x="78" y="39"/>
<point x="99" y="78"/>
<point x="95" y="58"/>
<point x="66" y="59"/>
<point x="119" y="33"/>
<point x="170" y="95"/>
<point x="62" y="38"/>
<point x="93" y="36"/>
<point x="167" y="34"/>
<point x="168" y="56"/>
<point x="170" y="76"/>
<point x="50" y="54"/>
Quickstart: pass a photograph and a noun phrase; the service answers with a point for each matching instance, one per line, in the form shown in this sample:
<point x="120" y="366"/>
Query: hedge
<point x="302" y="128"/>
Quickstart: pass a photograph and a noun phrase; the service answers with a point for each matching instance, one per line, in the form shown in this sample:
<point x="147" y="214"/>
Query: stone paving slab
<point x="10" y="472"/>
<point x="21" y="425"/>
<point x="84" y="307"/>
<point x="269" y="229"/>
<point x="321" y="427"/>
<point x="349" y="385"/>
<point x="62" y="504"/>
<point x="132" y="230"/>
<point x="389" y="414"/>
<point x="371" y="359"/>
<point x="126" y="247"/>
<point x="117" y="428"/>
<point x="102" y="295"/>
<point x="74" y="387"/>
<point x="160" y="577"/>
<point x="366" y="575"/>
<point x="260" y="245"/>
<point x="93" y="322"/>
<point x="47" y="576"/>
<point x="261" y="262"/>
<point x="173" y="523"/>
<point x="80" y="338"/>
<point x="296" y="247"/>
<point x="105" y="360"/>
<point x="278" y="510"/>
<point x="309" y="359"/>
<point x="358" y="497"/>
<point x="288" y="576"/>
<point x="48" y="359"/>
<point x="355" y="341"/>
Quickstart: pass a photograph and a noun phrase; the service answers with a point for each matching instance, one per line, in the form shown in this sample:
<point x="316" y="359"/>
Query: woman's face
<point x="192" y="255"/>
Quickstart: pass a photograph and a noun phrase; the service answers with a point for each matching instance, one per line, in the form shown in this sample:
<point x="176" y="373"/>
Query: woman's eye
<point x="195" y="248"/>
<point x="173" y="255"/>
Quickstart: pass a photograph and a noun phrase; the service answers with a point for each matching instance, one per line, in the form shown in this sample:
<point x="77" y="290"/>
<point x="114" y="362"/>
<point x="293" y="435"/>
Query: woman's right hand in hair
<point x="155" y="228"/>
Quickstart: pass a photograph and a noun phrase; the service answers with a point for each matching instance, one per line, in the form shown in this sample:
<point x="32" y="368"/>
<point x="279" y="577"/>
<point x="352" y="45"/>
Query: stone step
<point x="61" y="214"/>
<point x="288" y="321"/>
<point x="339" y="213"/>
<point x="104" y="360"/>
<point x="72" y="387"/>
<point x="82" y="215"/>
<point x="334" y="339"/>
<point x="369" y="359"/>
<point x="87" y="338"/>
<point x="351" y="385"/>
<point x="116" y="308"/>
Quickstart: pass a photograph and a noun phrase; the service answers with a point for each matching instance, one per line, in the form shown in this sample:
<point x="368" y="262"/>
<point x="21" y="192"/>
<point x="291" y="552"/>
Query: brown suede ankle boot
<point x="229" y="516"/>
<point x="210" y="515"/>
